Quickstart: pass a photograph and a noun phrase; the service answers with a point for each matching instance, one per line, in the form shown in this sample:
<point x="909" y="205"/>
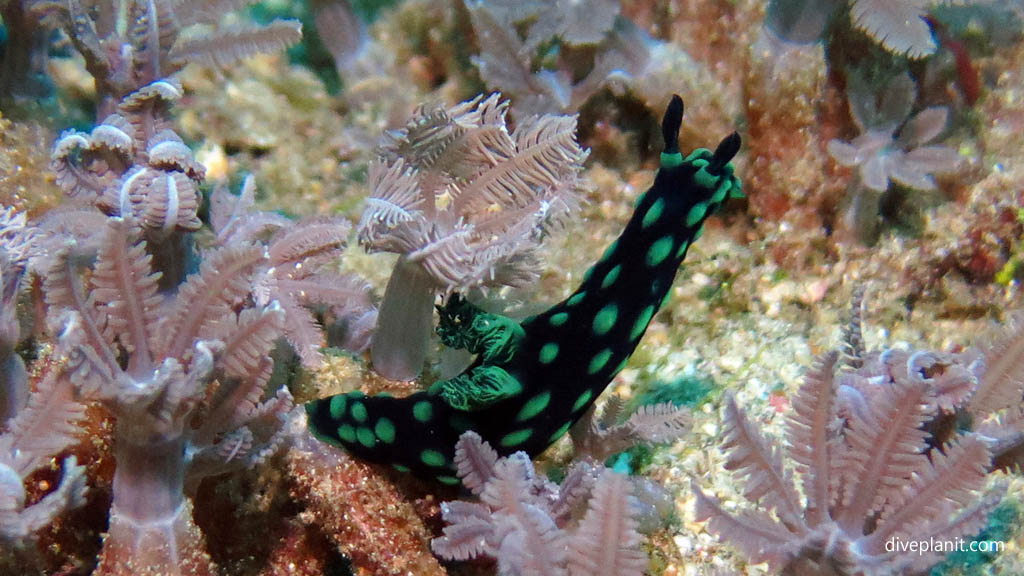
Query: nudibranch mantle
<point x="532" y="380"/>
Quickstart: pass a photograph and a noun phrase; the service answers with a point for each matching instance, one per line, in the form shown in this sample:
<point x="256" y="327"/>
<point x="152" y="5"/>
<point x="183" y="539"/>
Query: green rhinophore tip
<point x="671" y="160"/>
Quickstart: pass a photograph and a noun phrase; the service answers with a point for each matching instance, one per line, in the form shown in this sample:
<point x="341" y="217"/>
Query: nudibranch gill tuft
<point x="532" y="380"/>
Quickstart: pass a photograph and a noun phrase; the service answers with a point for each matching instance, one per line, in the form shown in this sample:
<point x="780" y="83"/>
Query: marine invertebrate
<point x="181" y="360"/>
<point x="174" y="425"/>
<point x="464" y="202"/>
<point x="900" y="26"/>
<point x="890" y="147"/>
<point x="855" y="436"/>
<point x="507" y="61"/>
<point x="128" y="44"/>
<point x="881" y="157"/>
<point x="19" y="242"/>
<point x="37" y="433"/>
<point x="524" y="519"/>
<point x="133" y="165"/>
<point x="533" y="380"/>
<point x="293" y="275"/>
<point x="598" y="438"/>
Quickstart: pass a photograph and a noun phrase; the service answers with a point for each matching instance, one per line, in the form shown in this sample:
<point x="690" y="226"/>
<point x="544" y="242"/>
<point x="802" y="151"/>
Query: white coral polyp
<point x="12" y="490"/>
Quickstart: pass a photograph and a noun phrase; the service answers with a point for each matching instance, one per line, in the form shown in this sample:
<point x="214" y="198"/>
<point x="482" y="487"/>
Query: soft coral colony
<point x="169" y="316"/>
<point x="172" y="333"/>
<point x="183" y="363"/>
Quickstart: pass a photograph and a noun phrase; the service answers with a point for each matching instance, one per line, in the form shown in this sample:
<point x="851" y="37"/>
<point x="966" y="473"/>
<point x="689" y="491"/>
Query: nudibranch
<point x="532" y="380"/>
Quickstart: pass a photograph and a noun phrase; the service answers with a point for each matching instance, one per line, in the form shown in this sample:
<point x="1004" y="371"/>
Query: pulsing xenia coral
<point x="597" y="438"/>
<point x="128" y="44"/>
<point x="532" y="526"/>
<point x="465" y="203"/>
<point x="181" y="360"/>
<point x="152" y="361"/>
<point x="890" y="147"/>
<point x="900" y="26"/>
<point x="133" y="164"/>
<point x="532" y="380"/>
<point x="857" y="438"/>
<point x="990" y="382"/>
<point x="294" y="274"/>
<point x="19" y="243"/>
<point x="581" y="31"/>
<point x="38" y="425"/>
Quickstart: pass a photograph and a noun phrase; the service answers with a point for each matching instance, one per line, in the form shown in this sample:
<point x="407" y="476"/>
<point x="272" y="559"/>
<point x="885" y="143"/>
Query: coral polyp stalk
<point x="151" y="525"/>
<point x="403" y="323"/>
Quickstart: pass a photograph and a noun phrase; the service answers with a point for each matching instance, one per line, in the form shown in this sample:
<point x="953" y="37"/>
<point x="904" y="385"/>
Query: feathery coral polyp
<point x="173" y="348"/>
<point x="533" y="526"/>
<point x="465" y="203"/>
<point x="856" y="437"/>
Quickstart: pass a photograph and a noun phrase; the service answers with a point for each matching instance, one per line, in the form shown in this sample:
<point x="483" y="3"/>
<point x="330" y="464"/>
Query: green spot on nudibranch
<point x="641" y="322"/>
<point x="359" y="412"/>
<point x="560" y="432"/>
<point x="605" y="319"/>
<point x="671" y="160"/>
<point x="682" y="249"/>
<point x="365" y="436"/>
<point x="423" y="411"/>
<point x="432" y="458"/>
<point x="534" y="406"/>
<point x="721" y="192"/>
<point x="558" y="319"/>
<point x="705" y="179"/>
<point x="699" y="157"/>
<point x="664" y="301"/>
<point x="548" y="353"/>
<point x="338" y="406"/>
<point x="347" y="433"/>
<point x="582" y="400"/>
<point x="449" y="480"/>
<point x="516" y="438"/>
<point x="659" y="250"/>
<point x="598" y="361"/>
<point x="576" y="299"/>
<point x="653" y="213"/>
<point x="400" y="468"/>
<point x="611" y="276"/>
<point x="385" y="430"/>
<point x="696" y="213"/>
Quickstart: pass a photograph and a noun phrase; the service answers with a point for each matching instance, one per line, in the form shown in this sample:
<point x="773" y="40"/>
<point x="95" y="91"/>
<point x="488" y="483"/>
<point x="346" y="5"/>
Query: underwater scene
<point x="515" y="288"/>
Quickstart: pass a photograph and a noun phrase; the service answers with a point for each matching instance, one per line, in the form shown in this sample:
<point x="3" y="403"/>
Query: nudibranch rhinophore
<point x="532" y="380"/>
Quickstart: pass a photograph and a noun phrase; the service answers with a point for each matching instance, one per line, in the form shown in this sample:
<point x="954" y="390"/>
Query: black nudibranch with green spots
<point x="532" y="380"/>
